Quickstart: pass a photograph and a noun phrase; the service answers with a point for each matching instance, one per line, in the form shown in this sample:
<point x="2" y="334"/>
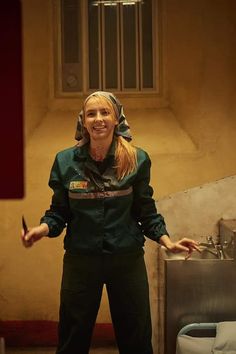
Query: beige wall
<point x="35" y="35"/>
<point x="200" y="57"/>
<point x="201" y="64"/>
<point x="191" y="142"/>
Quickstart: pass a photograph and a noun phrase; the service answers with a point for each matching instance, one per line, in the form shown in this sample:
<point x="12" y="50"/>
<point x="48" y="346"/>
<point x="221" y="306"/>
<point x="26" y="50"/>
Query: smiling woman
<point x="106" y="116"/>
<point x="103" y="197"/>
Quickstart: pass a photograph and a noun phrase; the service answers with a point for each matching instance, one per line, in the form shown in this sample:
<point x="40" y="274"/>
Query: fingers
<point x="181" y="248"/>
<point x="191" y="246"/>
<point x="197" y="249"/>
<point x="186" y="245"/>
<point x="188" y="255"/>
<point x="27" y="239"/>
<point x="34" y="234"/>
<point x="189" y="243"/>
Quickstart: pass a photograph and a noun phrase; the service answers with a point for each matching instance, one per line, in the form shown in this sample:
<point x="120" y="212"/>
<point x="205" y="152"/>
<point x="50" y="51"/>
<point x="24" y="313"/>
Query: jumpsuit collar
<point x="82" y="152"/>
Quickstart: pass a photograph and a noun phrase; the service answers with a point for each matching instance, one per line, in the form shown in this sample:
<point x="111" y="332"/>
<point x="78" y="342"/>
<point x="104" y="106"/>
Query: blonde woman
<point x="103" y="198"/>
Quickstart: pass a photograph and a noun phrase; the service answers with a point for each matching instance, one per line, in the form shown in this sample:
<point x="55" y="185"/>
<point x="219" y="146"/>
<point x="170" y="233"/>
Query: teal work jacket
<point x="100" y="213"/>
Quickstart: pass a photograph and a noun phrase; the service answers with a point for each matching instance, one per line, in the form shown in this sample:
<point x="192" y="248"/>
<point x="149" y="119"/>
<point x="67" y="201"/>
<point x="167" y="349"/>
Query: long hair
<point x="125" y="157"/>
<point x="125" y="152"/>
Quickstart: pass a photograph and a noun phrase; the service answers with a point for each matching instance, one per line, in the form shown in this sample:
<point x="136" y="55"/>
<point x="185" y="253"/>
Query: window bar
<point x="102" y="41"/>
<point x="94" y="68"/>
<point x="121" y="47"/>
<point x="85" y="46"/>
<point x="147" y="53"/>
<point x="137" y="39"/>
<point x="140" y="46"/>
<point x="155" y="39"/>
<point x="100" y="46"/>
<point x="110" y="73"/>
<point x="134" y="88"/>
<point x="119" y="40"/>
<point x="153" y="48"/>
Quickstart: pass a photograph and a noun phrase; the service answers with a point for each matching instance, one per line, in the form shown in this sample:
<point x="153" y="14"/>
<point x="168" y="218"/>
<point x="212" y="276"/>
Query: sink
<point x="201" y="288"/>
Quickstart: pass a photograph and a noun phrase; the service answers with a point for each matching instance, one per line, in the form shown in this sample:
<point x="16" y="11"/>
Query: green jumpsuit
<point x="106" y="223"/>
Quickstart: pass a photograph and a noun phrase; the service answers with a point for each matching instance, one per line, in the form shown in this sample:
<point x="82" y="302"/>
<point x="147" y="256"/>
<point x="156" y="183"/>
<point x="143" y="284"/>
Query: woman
<point x="103" y="197"/>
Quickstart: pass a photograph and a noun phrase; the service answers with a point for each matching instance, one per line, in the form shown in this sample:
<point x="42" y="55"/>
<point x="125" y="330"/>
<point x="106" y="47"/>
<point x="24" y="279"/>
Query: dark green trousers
<point x="127" y="287"/>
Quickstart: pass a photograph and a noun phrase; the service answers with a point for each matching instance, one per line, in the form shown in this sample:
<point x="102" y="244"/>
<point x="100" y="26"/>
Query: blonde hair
<point x="125" y="152"/>
<point x="125" y="157"/>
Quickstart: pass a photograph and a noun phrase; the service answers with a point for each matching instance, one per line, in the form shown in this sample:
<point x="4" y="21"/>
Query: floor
<point x="99" y="350"/>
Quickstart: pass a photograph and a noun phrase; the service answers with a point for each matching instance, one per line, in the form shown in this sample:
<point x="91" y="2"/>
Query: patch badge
<point x="78" y="185"/>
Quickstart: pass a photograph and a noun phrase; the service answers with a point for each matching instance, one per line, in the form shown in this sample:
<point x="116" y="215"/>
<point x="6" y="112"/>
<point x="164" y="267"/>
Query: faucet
<point x="220" y="251"/>
<point x="228" y="248"/>
<point x="209" y="244"/>
<point x="213" y="247"/>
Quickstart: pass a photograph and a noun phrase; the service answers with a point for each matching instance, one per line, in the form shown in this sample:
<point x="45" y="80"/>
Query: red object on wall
<point x="11" y="102"/>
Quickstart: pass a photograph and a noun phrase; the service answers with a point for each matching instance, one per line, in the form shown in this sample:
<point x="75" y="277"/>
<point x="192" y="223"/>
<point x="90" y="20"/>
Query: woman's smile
<point x="99" y="128"/>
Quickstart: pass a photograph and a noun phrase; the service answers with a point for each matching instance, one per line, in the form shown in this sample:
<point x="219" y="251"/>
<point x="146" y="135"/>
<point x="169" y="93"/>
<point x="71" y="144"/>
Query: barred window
<point x="108" y="45"/>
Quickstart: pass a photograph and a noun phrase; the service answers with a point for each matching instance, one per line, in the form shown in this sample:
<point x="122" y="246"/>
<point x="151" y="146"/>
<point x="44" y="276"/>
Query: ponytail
<point x="125" y="157"/>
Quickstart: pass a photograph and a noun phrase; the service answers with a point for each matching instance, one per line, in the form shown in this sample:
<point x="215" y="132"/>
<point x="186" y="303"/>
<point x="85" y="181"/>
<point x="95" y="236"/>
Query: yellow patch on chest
<point x="78" y="185"/>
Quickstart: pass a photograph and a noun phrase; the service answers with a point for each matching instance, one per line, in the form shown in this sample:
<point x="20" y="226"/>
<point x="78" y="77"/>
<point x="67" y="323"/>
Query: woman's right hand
<point x="34" y="234"/>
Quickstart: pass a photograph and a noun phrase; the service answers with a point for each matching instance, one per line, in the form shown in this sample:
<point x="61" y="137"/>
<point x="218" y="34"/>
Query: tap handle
<point x="210" y="240"/>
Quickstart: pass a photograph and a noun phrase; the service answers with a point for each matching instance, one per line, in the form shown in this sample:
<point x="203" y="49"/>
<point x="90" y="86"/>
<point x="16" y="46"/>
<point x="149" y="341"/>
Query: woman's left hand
<point x="184" y="245"/>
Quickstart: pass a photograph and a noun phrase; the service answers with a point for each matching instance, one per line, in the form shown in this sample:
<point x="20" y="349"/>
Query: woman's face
<point x="99" y="119"/>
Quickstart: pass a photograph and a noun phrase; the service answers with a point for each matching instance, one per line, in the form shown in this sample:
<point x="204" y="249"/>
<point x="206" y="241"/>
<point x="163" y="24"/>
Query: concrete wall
<point x="191" y="142"/>
<point x="200" y="57"/>
<point x="35" y="38"/>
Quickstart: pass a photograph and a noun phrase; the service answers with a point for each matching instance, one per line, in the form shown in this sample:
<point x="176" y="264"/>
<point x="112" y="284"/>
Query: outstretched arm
<point x="55" y="219"/>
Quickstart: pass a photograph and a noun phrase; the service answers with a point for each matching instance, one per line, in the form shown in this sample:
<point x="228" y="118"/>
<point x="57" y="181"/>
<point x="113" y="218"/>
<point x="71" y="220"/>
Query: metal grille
<point x="117" y="41"/>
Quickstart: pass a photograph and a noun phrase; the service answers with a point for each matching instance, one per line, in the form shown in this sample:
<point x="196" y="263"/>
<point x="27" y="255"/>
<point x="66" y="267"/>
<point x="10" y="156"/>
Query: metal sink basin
<point x="201" y="288"/>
